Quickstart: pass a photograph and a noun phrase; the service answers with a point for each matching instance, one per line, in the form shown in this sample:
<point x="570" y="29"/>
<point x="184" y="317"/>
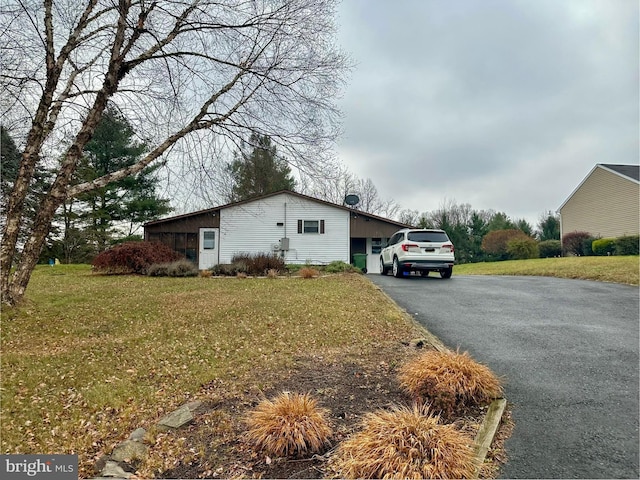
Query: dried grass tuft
<point x="449" y="381"/>
<point x="404" y="443"/>
<point x="272" y="273"/>
<point x="307" y="272"/>
<point x="291" y="425"/>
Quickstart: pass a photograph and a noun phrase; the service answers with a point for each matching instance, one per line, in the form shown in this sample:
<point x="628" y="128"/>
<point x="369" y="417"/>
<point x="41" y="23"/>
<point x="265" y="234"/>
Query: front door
<point x="208" y="248"/>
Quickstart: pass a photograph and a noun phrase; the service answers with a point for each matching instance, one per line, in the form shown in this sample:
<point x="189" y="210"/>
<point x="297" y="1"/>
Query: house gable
<point x="605" y="204"/>
<point x="316" y="232"/>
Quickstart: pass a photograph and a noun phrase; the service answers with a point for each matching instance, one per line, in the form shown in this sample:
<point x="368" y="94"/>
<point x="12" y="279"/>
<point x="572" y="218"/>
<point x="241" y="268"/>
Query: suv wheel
<point x="446" y="272"/>
<point x="383" y="270"/>
<point x="397" y="269"/>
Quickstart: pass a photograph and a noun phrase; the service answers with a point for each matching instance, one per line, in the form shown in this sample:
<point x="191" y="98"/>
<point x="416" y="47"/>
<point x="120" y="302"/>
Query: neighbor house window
<point x="209" y="241"/>
<point x="310" y="226"/>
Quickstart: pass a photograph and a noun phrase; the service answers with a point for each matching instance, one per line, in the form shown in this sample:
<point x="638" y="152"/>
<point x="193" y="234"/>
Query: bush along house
<point x="299" y="228"/>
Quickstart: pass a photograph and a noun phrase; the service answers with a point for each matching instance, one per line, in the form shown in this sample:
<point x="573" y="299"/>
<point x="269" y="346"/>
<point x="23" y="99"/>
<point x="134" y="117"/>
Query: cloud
<point x="511" y="102"/>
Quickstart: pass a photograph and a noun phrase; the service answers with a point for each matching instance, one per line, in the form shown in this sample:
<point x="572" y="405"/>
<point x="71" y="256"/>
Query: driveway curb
<point x="487" y="432"/>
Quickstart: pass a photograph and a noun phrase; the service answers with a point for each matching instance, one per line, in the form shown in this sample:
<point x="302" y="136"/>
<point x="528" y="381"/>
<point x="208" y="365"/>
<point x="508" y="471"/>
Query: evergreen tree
<point x="500" y="221"/>
<point x="549" y="227"/>
<point x="525" y="226"/>
<point x="258" y="170"/>
<point x="132" y="200"/>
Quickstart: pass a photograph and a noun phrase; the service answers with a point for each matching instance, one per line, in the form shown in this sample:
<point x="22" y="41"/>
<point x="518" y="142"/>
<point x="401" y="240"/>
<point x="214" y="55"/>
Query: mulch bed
<point x="348" y="389"/>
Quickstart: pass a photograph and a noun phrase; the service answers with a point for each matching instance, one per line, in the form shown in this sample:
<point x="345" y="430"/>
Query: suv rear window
<point x="439" y="237"/>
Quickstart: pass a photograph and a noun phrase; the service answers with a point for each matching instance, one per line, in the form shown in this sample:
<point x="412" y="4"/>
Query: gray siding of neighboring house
<point x="605" y="205"/>
<point x="254" y="227"/>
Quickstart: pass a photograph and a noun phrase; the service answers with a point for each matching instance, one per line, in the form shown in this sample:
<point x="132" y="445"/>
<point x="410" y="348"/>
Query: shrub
<point x="182" y="268"/>
<point x="550" y="248"/>
<point x="133" y="257"/>
<point x="179" y="268"/>
<point x="205" y="273"/>
<point x="496" y="242"/>
<point x="587" y="247"/>
<point x="158" y="270"/>
<point x="449" y="381"/>
<point x="523" y="248"/>
<point x="339" y="266"/>
<point x="573" y="243"/>
<point x="258" y="263"/>
<point x="603" y="246"/>
<point x="292" y="424"/>
<point x="404" y="443"/>
<point x="308" y="272"/>
<point x="627" y="245"/>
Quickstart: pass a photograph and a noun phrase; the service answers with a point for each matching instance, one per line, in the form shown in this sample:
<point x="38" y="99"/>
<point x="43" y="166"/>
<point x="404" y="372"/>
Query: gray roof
<point x="631" y="171"/>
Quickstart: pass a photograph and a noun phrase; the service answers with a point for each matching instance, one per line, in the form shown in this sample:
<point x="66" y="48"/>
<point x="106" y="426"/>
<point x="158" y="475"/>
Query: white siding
<point x="252" y="227"/>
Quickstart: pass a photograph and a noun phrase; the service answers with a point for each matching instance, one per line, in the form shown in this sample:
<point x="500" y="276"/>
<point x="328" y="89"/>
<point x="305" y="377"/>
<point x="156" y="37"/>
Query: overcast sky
<point x="503" y="104"/>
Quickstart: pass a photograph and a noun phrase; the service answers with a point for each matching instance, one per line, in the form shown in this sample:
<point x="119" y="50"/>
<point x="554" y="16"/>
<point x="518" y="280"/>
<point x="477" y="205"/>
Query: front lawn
<point x="90" y="358"/>
<point x="622" y="269"/>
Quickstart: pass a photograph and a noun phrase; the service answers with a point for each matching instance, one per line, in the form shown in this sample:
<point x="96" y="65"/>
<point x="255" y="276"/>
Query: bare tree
<point x="336" y="186"/>
<point x="219" y="68"/>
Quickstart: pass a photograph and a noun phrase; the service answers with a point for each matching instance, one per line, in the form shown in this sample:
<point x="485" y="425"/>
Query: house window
<point x="209" y="241"/>
<point x="310" y="226"/>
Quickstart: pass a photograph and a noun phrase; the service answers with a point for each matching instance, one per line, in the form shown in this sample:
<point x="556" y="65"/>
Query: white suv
<point x="420" y="250"/>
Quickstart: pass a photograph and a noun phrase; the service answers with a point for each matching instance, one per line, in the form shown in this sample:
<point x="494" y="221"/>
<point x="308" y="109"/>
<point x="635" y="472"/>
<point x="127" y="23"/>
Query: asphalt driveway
<point x="568" y="351"/>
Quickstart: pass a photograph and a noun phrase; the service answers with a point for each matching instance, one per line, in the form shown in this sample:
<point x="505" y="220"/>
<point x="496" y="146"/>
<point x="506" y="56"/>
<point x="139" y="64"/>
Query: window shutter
<point x="299" y="226"/>
<point x="321" y="226"/>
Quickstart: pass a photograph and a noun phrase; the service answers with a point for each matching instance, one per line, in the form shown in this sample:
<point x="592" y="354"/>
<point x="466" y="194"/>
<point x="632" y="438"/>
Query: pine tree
<point x="258" y="170"/>
<point x="130" y="201"/>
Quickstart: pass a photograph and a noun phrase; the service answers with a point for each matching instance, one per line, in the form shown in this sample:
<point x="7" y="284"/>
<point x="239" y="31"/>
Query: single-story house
<point x="297" y="227"/>
<point x="606" y="204"/>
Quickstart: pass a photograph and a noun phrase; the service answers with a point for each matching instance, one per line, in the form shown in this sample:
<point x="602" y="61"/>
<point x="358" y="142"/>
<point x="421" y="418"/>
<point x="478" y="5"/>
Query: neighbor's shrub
<point x="133" y="257"/>
<point x="291" y="425"/>
<point x="339" y="266"/>
<point x="587" y="247"/>
<point x="404" y="443"/>
<point x="449" y="381"/>
<point x="550" y="248"/>
<point x="495" y="243"/>
<point x="603" y="246"/>
<point x="573" y="243"/>
<point x="627" y="245"/>
<point x="308" y="272"/>
<point x="523" y="248"/>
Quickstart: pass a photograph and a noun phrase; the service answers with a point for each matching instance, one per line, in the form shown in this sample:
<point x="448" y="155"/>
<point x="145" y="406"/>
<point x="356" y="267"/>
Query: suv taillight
<point x="407" y="246"/>
<point x="449" y="246"/>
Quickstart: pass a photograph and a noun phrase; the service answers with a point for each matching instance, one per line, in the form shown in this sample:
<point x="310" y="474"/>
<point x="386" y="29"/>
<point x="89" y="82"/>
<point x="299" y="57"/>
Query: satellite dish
<point x="352" y="200"/>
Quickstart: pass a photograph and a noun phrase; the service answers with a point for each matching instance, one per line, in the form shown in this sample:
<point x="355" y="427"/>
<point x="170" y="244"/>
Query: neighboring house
<point x="299" y="228"/>
<point x="606" y="204"/>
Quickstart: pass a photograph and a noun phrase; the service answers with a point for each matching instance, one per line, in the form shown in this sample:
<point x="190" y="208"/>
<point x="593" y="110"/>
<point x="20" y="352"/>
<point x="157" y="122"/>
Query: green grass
<point x="605" y="269"/>
<point x="89" y="358"/>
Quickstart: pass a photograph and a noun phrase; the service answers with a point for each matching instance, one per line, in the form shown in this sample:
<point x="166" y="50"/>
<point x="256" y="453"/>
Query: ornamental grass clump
<point x="308" y="272"/>
<point x="291" y="425"/>
<point x="449" y="381"/>
<point x="404" y="443"/>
